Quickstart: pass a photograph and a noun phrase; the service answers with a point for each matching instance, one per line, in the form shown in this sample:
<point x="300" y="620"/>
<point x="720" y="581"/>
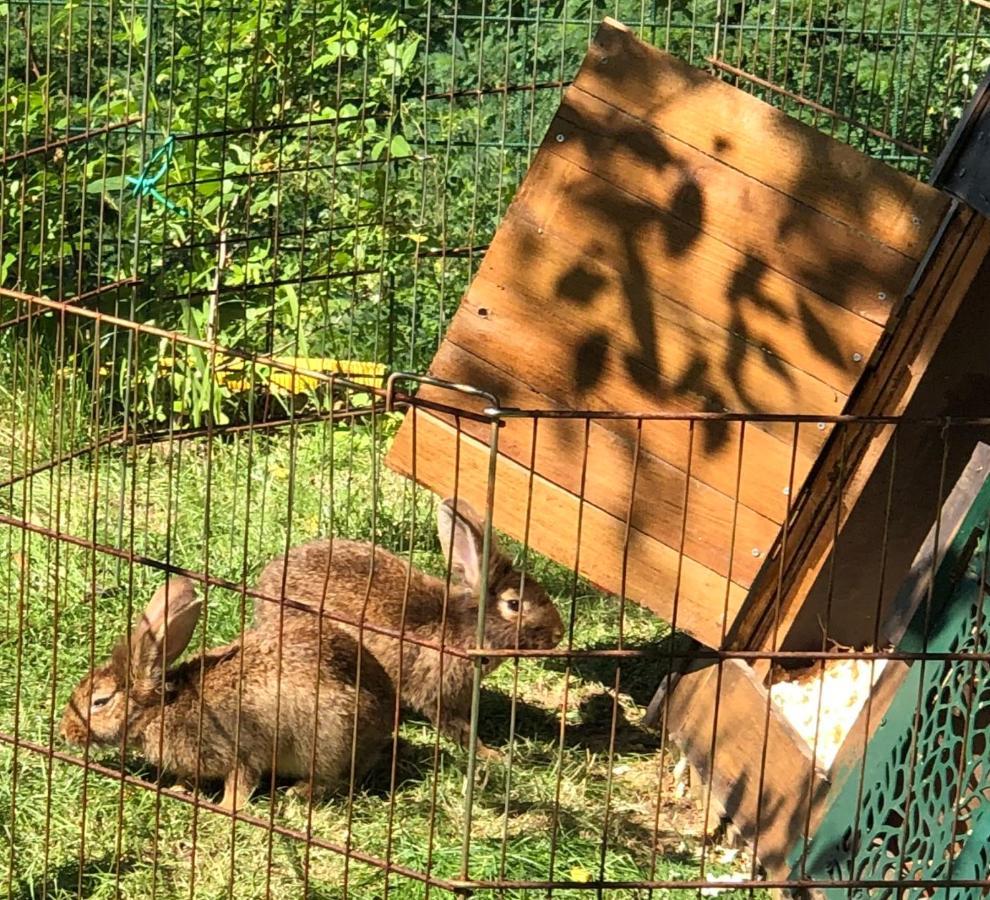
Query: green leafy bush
<point x="336" y="169"/>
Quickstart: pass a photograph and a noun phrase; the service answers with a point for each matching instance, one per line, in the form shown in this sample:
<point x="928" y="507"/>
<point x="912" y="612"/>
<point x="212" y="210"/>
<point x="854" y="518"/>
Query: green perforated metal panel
<point x="921" y="807"/>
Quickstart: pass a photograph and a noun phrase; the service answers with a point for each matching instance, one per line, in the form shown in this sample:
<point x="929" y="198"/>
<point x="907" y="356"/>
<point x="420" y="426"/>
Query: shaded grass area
<point x="581" y="801"/>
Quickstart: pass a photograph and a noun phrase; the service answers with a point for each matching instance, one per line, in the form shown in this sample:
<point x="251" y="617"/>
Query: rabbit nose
<point x="65" y="728"/>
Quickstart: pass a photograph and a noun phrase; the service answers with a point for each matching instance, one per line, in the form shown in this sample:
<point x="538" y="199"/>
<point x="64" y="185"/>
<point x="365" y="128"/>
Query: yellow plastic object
<point x="235" y="374"/>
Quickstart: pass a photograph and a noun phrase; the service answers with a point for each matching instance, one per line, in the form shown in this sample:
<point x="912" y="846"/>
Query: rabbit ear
<point x="462" y="538"/>
<point x="158" y="639"/>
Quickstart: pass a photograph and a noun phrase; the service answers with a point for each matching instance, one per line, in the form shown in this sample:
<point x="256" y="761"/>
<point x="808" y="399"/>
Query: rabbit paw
<point x="306" y="791"/>
<point x="460" y="732"/>
<point x="483" y="751"/>
<point x="183" y="788"/>
<point x="236" y="796"/>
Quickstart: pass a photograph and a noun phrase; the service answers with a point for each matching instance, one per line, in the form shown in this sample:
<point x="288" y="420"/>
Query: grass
<point x="226" y="507"/>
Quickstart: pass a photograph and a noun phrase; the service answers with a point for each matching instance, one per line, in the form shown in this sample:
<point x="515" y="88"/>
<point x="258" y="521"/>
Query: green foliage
<point x="339" y="167"/>
<point x="287" y="135"/>
<point x="902" y="69"/>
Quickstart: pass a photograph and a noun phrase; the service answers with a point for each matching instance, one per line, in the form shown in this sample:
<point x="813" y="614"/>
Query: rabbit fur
<point x="160" y="706"/>
<point x="353" y="579"/>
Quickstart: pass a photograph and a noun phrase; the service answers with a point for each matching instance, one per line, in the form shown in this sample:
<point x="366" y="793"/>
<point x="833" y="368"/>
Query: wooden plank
<point x="861" y="580"/>
<point x="677" y="589"/>
<point x="721" y="285"/>
<point x="701" y="193"/>
<point x="696" y="365"/>
<point x="715" y="459"/>
<point x="831" y="177"/>
<point x="693" y="364"/>
<point x="915" y="589"/>
<point x="658" y="507"/>
<point x="888" y="388"/>
<point x="769" y="804"/>
<point x="578" y="373"/>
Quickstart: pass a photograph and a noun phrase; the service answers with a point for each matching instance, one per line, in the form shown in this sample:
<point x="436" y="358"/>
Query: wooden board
<point x="677" y="246"/>
<point x="752" y="299"/>
<point x="578" y="372"/>
<point x="743" y="132"/>
<point x="677" y="184"/>
<point x="671" y="352"/>
<point x="600" y="546"/>
<point x="757" y="766"/>
<point x="758" y="471"/>
<point x="562" y="450"/>
<point x="856" y="590"/>
<point x="844" y="470"/>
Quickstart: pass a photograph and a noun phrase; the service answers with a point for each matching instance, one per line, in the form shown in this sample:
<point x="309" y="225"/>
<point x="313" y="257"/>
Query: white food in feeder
<point x="721" y="879"/>
<point x="823" y="705"/>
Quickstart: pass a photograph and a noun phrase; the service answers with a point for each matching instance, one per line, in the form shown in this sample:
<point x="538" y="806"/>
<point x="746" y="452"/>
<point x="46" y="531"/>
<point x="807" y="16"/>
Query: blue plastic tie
<point x="144" y="184"/>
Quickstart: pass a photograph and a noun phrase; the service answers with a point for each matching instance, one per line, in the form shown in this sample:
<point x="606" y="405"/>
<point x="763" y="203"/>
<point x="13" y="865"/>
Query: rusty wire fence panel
<point x="578" y="794"/>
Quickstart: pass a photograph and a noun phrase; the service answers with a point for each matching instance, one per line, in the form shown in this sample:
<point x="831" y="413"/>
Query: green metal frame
<point x="918" y="805"/>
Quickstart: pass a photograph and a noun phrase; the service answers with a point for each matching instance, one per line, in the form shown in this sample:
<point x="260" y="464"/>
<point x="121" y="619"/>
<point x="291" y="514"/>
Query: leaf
<point x="135" y="28"/>
<point x="113" y="184"/>
<point x="377" y="148"/>
<point x="399" y="147"/>
<point x="8" y="260"/>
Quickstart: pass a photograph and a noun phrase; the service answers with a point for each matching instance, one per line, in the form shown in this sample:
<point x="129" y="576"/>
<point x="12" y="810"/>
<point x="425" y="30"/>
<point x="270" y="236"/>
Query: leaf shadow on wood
<point x="589" y="359"/>
<point x="639" y="231"/>
<point x="624" y="248"/>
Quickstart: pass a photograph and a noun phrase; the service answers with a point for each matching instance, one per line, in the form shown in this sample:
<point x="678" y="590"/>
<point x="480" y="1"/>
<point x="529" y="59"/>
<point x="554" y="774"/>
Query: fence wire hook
<point x="494" y="410"/>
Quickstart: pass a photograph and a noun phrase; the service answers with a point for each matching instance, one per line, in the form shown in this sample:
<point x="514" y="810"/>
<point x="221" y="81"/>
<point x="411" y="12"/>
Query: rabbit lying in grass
<point x="333" y="574"/>
<point x="163" y="708"/>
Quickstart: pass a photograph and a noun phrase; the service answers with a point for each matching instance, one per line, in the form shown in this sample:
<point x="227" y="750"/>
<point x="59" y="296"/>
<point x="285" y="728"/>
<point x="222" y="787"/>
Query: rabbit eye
<point x="101" y="701"/>
<point x="512" y="603"/>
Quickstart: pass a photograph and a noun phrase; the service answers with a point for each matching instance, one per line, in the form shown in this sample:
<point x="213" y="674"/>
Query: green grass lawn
<point x="226" y="507"/>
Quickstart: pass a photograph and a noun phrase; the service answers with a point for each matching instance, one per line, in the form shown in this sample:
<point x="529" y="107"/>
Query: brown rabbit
<point x="161" y="706"/>
<point x="333" y="574"/>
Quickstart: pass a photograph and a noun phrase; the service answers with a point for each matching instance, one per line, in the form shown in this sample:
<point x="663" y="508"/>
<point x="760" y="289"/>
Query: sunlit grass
<point x="579" y="802"/>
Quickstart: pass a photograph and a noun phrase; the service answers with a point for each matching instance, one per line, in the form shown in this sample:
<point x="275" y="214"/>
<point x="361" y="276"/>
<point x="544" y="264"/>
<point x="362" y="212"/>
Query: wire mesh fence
<point x="321" y="179"/>
<point x="220" y="227"/>
<point x="533" y="775"/>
